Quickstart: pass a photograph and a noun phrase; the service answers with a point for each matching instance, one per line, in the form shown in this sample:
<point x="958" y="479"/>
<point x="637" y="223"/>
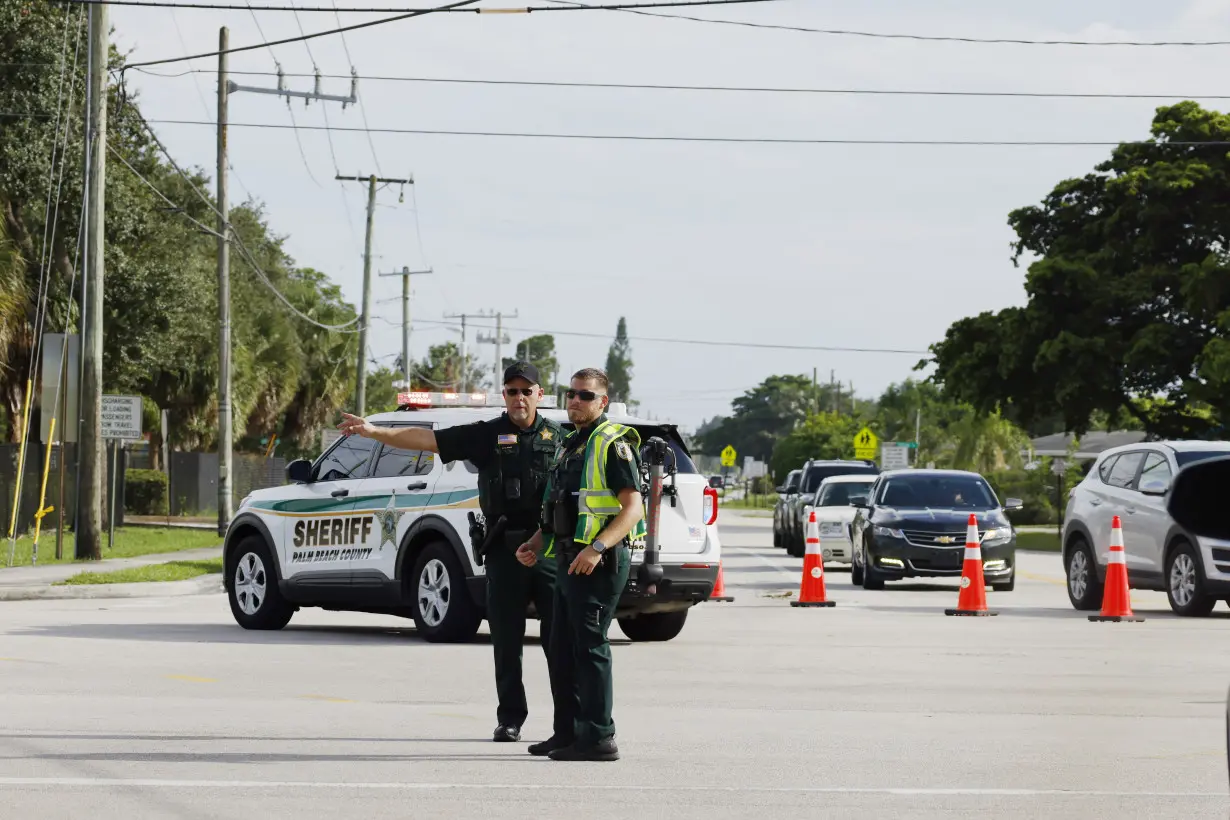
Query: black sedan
<point x="914" y="523"/>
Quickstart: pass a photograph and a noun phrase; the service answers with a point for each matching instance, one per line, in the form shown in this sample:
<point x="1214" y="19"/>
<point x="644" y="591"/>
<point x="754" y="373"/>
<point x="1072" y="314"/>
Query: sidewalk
<point x="28" y="582"/>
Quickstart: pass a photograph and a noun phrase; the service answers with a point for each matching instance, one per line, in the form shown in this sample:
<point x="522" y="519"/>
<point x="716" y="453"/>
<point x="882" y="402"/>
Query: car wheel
<point x="856" y="572"/>
<point x="777" y="536"/>
<point x="796" y="547"/>
<point x="256" y="602"/>
<point x="656" y="626"/>
<point x="871" y="578"/>
<point x="1185" y="583"/>
<point x="1084" y="588"/>
<point x="441" y="605"/>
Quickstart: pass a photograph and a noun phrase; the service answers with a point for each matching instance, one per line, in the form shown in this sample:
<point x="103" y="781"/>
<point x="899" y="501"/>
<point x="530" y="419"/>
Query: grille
<point x="935" y="539"/>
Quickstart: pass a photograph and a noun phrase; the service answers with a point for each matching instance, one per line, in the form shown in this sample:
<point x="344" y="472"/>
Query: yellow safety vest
<point x="597" y="504"/>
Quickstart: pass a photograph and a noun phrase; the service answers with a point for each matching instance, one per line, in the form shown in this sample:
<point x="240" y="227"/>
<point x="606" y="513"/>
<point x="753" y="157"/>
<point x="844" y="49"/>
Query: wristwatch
<point x="598" y="546"/>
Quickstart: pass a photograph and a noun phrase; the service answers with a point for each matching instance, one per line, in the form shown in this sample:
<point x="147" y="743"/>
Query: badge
<point x="623" y="450"/>
<point x="547" y="435"/>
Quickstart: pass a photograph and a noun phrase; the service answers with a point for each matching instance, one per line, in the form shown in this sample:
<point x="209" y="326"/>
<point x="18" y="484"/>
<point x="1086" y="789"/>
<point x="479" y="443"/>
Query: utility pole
<point x="360" y="393"/>
<point x="225" y="427"/>
<point x="405" y="273"/>
<point x="465" y="371"/>
<point x="499" y="339"/>
<point x="89" y="538"/>
<point x="225" y="416"/>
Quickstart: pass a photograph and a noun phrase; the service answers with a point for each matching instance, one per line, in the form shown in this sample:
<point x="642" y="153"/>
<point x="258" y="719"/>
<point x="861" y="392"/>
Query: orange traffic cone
<point x="811" y="590"/>
<point x="1116" y="600"/>
<point x="973" y="597"/>
<point x="719" y="588"/>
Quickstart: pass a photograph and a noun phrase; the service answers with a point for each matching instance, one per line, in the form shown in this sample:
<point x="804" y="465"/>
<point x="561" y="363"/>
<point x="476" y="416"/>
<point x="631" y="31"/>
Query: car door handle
<point x="340" y="493"/>
<point x="1131" y="510"/>
<point x="1094" y="502"/>
<point x="418" y="485"/>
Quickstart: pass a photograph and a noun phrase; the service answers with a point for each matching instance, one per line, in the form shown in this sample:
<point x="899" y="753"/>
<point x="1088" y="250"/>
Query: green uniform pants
<point x="511" y="587"/>
<point x="584" y="609"/>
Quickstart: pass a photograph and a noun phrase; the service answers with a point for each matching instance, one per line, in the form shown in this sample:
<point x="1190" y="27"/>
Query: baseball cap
<point x="521" y="370"/>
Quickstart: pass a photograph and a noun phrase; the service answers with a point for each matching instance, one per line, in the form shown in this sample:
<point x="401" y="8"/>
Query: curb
<point x="204" y="585"/>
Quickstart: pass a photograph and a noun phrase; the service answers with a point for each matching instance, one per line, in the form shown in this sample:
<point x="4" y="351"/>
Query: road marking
<point x="1047" y="578"/>
<point x="745" y="551"/>
<point x="192" y="679"/>
<point x="326" y="698"/>
<point x="145" y="783"/>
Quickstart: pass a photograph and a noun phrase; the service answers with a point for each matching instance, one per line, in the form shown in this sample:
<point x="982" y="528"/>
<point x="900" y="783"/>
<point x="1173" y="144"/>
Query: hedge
<point x="145" y="492"/>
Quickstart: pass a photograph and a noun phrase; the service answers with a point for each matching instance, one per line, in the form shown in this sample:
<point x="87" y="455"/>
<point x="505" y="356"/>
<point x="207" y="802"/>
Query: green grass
<point x="755" y="502"/>
<point x="130" y="542"/>
<point x="1042" y="541"/>
<point x="171" y="571"/>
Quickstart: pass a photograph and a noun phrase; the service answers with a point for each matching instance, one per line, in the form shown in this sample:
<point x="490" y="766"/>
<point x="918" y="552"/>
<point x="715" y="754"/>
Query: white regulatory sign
<point x="894" y="456"/>
<point x="121" y="417"/>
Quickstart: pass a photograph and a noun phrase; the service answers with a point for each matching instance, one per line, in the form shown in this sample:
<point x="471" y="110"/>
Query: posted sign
<point x="121" y="418"/>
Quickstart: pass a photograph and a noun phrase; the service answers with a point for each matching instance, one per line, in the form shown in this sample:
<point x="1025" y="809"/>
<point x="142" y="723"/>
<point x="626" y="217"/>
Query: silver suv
<point x="1131" y="481"/>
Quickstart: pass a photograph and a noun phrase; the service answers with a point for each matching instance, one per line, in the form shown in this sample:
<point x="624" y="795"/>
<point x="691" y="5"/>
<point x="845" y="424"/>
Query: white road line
<point x="792" y="576"/>
<point x="147" y="783"/>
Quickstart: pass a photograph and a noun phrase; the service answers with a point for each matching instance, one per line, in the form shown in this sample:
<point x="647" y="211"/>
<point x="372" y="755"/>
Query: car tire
<point x="777" y="537"/>
<point x="439" y="598"/>
<point x="1185" y="587"/>
<point x="655" y="626"/>
<point x="252" y="588"/>
<point x="795" y="547"/>
<point x="1081" y="571"/>
<point x="856" y="572"/>
<point x="871" y="578"/>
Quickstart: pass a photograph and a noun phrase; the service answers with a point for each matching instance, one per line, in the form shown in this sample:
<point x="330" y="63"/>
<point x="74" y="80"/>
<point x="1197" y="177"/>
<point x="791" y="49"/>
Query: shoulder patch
<point x="623" y="450"/>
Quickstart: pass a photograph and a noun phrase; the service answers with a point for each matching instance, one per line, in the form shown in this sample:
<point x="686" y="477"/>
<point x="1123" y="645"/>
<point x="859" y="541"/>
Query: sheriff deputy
<point x="514" y="454"/>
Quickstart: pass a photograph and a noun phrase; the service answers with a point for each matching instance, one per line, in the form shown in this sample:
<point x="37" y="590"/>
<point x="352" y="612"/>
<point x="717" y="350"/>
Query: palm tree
<point x="14" y="330"/>
<point x="987" y="443"/>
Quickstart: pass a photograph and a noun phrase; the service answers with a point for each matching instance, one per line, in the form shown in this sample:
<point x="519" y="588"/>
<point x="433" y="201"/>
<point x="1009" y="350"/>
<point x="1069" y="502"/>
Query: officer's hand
<point x="585" y="562"/>
<point x="352" y="425"/>
<point x="526" y="555"/>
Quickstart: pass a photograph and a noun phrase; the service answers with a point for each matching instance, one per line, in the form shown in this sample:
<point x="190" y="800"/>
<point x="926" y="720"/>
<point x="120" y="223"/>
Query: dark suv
<point x="813" y="472"/>
<point x="914" y="524"/>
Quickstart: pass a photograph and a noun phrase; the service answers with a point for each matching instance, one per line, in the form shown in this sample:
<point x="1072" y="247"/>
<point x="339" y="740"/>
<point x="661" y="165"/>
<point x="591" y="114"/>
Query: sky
<point x="811" y="245"/>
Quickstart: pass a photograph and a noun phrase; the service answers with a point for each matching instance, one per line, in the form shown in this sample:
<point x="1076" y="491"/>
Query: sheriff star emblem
<point x="388" y="518"/>
<point x="547" y="435"/>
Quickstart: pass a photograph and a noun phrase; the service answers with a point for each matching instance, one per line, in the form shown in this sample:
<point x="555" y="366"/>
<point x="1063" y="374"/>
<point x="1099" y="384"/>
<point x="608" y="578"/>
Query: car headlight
<point x="890" y="533"/>
<point x="997" y="535"/>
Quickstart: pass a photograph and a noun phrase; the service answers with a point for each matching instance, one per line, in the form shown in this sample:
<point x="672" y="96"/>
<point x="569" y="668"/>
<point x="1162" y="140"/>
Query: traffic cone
<point x="811" y="590"/>
<point x="1116" y="600"/>
<point x="719" y="588"/>
<point x="973" y="597"/>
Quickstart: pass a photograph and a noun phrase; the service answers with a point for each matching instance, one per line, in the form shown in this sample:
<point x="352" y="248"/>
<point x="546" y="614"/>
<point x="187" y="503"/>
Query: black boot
<point x="549" y="745"/>
<point x="603" y="750"/>
<point x="506" y="734"/>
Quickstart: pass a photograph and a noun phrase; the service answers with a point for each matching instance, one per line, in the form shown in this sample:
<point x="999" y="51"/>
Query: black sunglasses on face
<point x="585" y="395"/>
<point x="519" y="391"/>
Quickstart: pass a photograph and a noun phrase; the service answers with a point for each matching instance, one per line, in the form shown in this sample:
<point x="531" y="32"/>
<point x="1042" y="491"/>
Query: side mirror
<point x="1013" y="504"/>
<point x="860" y="503"/>
<point x="1155" y="486"/>
<point x="781" y="490"/>
<point x="1197" y="495"/>
<point x="299" y="471"/>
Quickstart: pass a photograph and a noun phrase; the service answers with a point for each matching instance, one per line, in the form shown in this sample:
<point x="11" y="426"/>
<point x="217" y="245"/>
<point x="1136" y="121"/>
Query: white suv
<point x="1131" y="482"/>
<point x="834" y="514"/>
<point x="370" y="528"/>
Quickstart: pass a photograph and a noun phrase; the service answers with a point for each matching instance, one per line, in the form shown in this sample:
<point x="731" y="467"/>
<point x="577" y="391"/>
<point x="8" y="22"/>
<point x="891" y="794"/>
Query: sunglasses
<point x="520" y="391"/>
<point x="585" y="395"/>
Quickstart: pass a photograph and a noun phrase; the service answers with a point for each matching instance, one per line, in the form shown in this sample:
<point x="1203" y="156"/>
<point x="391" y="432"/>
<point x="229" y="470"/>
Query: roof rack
<point x="421" y="400"/>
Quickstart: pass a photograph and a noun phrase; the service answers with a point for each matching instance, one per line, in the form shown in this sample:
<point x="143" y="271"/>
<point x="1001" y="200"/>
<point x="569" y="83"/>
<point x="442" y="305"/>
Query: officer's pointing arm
<point x="403" y="438"/>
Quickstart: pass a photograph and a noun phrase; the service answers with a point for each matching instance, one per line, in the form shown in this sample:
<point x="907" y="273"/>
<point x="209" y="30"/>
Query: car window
<point x="1123" y="474"/>
<point x="396" y="463"/>
<point x="347" y="460"/>
<point x="817" y="474"/>
<point x="1187" y="457"/>
<point x="1105" y="467"/>
<point x="792" y="480"/>
<point x="1156" y="468"/>
<point x="840" y="495"/>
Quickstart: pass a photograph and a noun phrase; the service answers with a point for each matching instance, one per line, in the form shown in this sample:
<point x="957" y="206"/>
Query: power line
<point x="701" y="342"/>
<point x="739" y="88"/>
<point x="270" y="44"/>
<point x="422" y="10"/>
<point x="760" y="140"/>
<point x="920" y="37"/>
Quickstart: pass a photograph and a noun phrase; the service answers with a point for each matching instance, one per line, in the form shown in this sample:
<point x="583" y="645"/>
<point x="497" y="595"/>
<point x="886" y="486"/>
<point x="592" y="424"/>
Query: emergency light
<point x="423" y="400"/>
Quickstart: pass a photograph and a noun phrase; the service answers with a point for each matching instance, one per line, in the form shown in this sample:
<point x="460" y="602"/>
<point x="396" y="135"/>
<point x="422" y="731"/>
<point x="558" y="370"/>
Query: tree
<point x="822" y="435"/>
<point x="539" y="351"/>
<point x="441" y="370"/>
<point x="761" y="417"/>
<point x="13" y="300"/>
<point x="1128" y="305"/>
<point x="619" y="366"/>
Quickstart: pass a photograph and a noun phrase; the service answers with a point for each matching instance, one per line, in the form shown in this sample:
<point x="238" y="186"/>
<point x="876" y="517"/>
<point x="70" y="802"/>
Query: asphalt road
<point x="880" y="706"/>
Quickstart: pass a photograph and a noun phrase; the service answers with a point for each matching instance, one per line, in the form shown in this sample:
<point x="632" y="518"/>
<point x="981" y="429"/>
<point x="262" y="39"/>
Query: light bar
<point x="424" y="399"/>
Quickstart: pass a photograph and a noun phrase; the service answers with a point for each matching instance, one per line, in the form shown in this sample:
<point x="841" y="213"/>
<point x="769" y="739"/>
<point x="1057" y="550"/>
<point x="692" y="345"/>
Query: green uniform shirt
<point x="623" y="471"/>
<point x="512" y="463"/>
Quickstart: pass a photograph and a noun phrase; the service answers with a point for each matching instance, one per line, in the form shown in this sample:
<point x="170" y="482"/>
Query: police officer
<point x="513" y="454"/>
<point x="593" y="509"/>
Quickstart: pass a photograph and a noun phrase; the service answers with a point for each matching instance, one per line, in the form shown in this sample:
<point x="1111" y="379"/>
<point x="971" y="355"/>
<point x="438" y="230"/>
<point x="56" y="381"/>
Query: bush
<point x="1037" y="489"/>
<point x="145" y="492"/>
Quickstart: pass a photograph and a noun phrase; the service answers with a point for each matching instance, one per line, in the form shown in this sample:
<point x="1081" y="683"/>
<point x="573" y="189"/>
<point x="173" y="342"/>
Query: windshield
<point x="1190" y="456"/>
<point x="841" y="494"/>
<point x="817" y="474"/>
<point x="943" y="491"/>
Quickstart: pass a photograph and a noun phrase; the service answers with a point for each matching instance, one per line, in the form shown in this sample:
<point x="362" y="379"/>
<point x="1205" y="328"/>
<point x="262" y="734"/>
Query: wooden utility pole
<point x="89" y="538"/>
<point x="405" y="273"/>
<point x="225" y="433"/>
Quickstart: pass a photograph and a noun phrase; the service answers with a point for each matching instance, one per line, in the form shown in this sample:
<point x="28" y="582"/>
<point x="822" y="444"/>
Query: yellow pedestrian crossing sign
<point x="728" y="456"/>
<point x="866" y="445"/>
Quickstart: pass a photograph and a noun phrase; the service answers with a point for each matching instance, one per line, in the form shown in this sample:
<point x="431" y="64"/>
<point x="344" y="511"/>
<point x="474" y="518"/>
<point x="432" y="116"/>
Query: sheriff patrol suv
<point x="370" y="528"/>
